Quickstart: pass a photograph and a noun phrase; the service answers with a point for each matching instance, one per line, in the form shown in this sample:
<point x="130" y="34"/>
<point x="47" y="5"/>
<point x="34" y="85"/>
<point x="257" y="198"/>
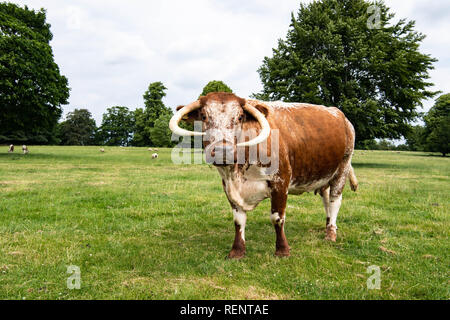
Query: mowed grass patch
<point x="142" y="228"/>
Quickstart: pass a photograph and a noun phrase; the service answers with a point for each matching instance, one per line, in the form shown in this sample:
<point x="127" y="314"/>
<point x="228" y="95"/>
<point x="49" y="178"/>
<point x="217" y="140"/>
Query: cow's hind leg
<point x="325" y="194"/>
<point x="238" y="248"/>
<point x="336" y="188"/>
<point x="278" y="218"/>
<point x="335" y="204"/>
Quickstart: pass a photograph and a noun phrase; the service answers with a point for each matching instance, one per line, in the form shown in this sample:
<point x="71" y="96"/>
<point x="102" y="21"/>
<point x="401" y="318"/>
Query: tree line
<point x="148" y="126"/>
<point x="121" y="126"/>
<point x="336" y="53"/>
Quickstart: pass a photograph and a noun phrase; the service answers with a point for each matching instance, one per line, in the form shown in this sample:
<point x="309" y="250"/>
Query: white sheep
<point x="154" y="156"/>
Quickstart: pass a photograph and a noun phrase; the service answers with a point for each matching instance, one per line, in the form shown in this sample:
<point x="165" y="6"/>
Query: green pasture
<point x="149" y="229"/>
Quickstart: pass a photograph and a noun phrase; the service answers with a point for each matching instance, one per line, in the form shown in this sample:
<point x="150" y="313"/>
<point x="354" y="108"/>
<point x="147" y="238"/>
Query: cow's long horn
<point x="265" y="127"/>
<point x="173" y="124"/>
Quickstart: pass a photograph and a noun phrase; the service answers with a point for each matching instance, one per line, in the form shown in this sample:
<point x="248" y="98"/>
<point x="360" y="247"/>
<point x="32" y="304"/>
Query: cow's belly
<point x="245" y="189"/>
<point x="299" y="188"/>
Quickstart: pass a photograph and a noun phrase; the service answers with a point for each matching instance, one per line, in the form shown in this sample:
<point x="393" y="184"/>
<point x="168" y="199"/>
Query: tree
<point x="333" y="56"/>
<point x="117" y="126"/>
<point x="437" y="126"/>
<point x="384" y="144"/>
<point x="415" y="138"/>
<point x="146" y="118"/>
<point x="32" y="89"/>
<point x="79" y="128"/>
<point x="215" y="86"/>
<point x="160" y="133"/>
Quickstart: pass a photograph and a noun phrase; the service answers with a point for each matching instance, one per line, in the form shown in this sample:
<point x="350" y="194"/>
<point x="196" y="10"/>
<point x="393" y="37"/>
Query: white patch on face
<point x="240" y="218"/>
<point x="275" y="219"/>
<point x="222" y="119"/>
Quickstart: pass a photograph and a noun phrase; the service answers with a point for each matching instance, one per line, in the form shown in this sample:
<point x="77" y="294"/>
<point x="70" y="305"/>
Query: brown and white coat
<point x="315" y="147"/>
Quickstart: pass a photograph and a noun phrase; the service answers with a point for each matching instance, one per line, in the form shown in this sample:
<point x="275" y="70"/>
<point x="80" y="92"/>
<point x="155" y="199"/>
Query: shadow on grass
<point x="429" y="155"/>
<point x="40" y="156"/>
<point x="373" y="165"/>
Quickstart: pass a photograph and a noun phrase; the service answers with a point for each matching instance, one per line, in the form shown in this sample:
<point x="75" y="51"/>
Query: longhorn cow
<point x="312" y="147"/>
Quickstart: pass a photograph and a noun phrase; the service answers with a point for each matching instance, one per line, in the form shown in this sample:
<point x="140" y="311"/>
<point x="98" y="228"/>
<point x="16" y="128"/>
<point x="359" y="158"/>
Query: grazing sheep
<point x="156" y="149"/>
<point x="154" y="156"/>
<point x="102" y="150"/>
<point x="150" y="149"/>
<point x="24" y="149"/>
<point x="11" y="148"/>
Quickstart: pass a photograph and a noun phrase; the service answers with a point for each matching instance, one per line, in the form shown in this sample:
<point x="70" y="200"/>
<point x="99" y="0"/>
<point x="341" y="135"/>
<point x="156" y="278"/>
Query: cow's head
<point x="223" y="116"/>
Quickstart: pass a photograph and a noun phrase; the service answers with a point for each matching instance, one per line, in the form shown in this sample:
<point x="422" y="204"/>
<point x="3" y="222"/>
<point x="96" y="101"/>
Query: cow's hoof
<point x="236" y="254"/>
<point x="285" y="252"/>
<point x="331" y="233"/>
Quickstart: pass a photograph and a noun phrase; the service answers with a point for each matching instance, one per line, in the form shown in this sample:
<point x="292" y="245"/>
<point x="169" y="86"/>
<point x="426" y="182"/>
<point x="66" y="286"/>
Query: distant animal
<point x="102" y="150"/>
<point x="154" y="156"/>
<point x="24" y="149"/>
<point x="156" y="149"/>
<point x="11" y="148"/>
<point x="150" y="149"/>
<point x="315" y="146"/>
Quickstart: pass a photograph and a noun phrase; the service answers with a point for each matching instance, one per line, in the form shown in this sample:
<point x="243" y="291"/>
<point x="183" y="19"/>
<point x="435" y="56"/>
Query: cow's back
<point x="314" y="140"/>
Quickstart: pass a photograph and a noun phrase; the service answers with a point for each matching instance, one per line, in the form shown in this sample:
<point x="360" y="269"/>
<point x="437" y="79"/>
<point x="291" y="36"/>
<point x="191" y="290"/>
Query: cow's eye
<point x="203" y="117"/>
<point x="241" y="118"/>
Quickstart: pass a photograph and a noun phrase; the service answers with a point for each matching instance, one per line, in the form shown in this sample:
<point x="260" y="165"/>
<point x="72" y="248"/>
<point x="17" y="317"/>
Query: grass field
<point x="148" y="229"/>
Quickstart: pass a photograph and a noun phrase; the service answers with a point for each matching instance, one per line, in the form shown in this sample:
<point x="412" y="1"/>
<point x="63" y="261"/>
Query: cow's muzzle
<point x="220" y="154"/>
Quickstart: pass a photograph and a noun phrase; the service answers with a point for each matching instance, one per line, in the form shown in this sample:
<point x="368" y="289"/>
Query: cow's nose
<point x="223" y="149"/>
<point x="223" y="154"/>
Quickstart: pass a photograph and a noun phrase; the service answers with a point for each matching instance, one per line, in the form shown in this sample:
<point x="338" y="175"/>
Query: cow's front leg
<point x="238" y="249"/>
<point x="277" y="217"/>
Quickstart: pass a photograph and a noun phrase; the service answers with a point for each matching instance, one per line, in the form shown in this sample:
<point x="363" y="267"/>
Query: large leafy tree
<point x="160" y="133"/>
<point x="415" y="138"/>
<point x="78" y="129"/>
<point x="32" y="89"/>
<point x="146" y="118"/>
<point x="215" y="86"/>
<point x="437" y="126"/>
<point x="335" y="54"/>
<point x="117" y="126"/>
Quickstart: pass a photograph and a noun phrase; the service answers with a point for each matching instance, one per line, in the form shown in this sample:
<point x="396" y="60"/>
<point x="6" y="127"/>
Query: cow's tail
<point x="352" y="178"/>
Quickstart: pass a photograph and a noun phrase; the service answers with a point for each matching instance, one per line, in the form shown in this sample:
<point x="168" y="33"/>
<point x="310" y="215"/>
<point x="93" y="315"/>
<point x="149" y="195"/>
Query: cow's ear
<point x="261" y="108"/>
<point x="192" y="116"/>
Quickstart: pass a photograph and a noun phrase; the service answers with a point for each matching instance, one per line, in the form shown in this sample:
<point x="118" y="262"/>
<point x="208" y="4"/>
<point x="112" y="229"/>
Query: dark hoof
<point x="283" y="252"/>
<point x="235" y="254"/>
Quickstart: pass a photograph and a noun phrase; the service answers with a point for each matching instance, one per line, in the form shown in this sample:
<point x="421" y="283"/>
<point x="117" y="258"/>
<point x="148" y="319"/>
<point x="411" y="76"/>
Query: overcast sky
<point x="111" y="50"/>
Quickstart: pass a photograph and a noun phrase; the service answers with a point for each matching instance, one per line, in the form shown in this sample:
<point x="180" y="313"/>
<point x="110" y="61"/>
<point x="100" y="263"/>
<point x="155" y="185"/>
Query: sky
<point x="112" y="50"/>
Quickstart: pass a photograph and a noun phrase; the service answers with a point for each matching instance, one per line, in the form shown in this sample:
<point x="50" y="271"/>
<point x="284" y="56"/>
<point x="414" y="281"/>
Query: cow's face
<point x="225" y="122"/>
<point x="222" y="115"/>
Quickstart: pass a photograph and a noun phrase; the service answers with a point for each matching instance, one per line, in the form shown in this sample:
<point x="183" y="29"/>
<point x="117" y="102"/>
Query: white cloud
<point x="111" y="50"/>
